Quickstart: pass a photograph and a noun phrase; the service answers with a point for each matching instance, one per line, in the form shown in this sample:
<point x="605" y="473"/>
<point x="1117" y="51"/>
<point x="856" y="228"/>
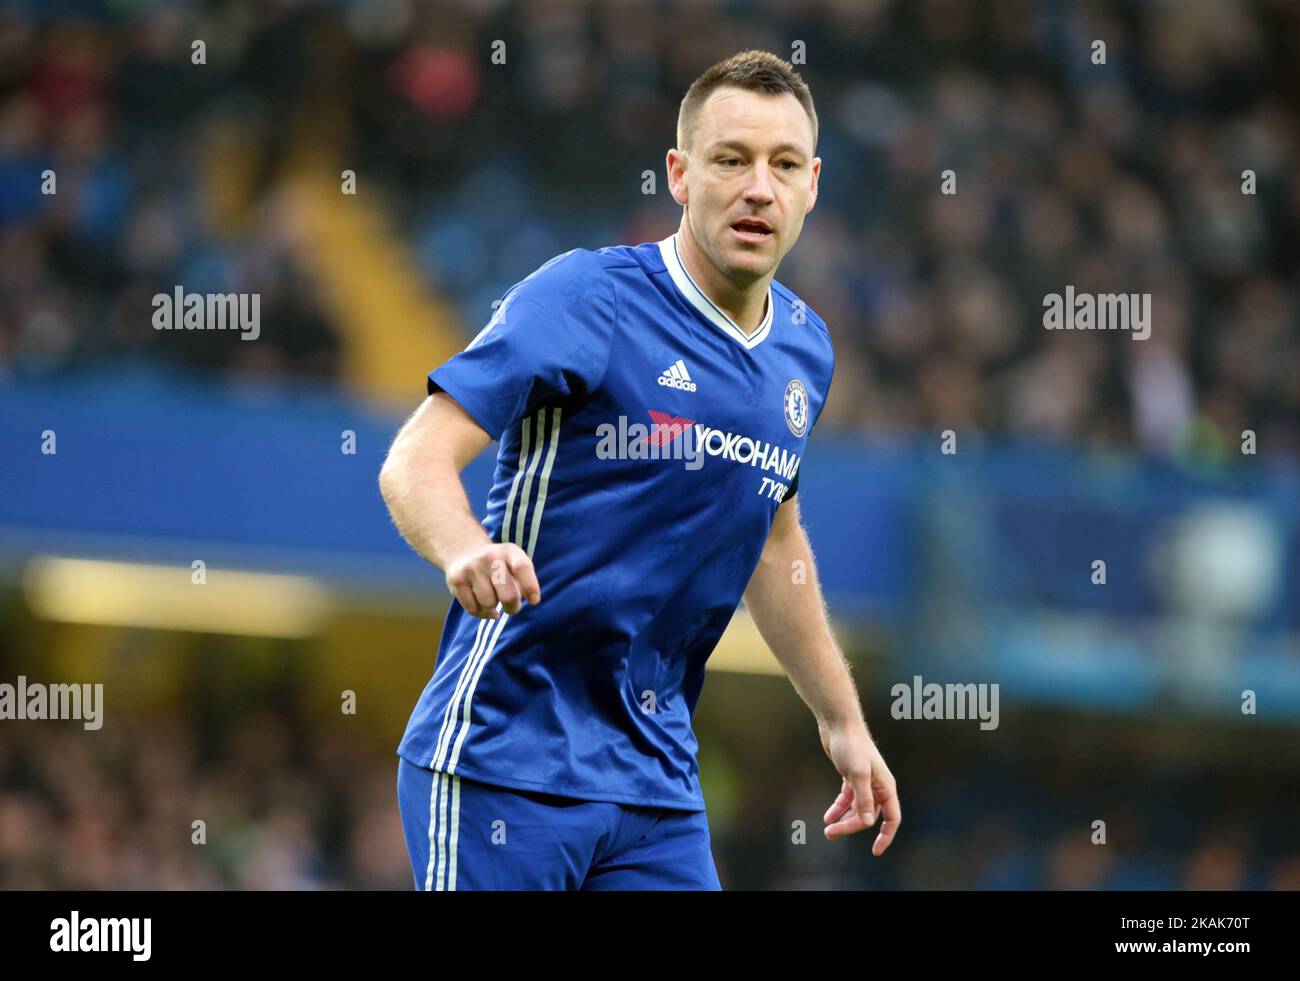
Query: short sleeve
<point x="794" y="484"/>
<point x="550" y="338"/>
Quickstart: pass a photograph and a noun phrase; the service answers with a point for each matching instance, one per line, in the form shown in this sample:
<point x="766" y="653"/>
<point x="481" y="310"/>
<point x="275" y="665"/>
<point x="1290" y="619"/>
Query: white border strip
<point x="697" y="298"/>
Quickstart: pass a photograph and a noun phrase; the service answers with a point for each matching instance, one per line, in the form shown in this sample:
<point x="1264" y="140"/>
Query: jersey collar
<point x="710" y="310"/>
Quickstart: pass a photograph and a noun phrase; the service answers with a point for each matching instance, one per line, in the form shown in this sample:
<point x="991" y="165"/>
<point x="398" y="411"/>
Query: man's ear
<point x="816" y="176"/>
<point x="677" y="187"/>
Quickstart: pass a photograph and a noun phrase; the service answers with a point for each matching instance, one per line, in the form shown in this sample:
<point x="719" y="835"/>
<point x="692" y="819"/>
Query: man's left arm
<point x="790" y="614"/>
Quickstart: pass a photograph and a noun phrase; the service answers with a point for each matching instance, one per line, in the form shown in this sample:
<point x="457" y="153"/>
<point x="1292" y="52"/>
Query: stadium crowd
<point x="290" y="805"/>
<point x="1122" y="176"/>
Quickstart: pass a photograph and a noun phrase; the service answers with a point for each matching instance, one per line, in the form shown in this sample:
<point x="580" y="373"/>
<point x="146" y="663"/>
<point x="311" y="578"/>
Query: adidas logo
<point x="676" y="376"/>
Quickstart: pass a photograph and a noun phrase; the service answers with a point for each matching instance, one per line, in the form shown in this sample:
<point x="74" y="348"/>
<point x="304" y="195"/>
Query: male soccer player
<point x="652" y="404"/>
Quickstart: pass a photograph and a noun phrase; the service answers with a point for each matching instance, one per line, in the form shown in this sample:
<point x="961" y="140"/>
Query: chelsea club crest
<point x="796" y="407"/>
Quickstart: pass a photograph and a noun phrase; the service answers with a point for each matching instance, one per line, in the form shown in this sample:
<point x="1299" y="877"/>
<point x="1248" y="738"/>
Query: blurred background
<point x="1120" y="702"/>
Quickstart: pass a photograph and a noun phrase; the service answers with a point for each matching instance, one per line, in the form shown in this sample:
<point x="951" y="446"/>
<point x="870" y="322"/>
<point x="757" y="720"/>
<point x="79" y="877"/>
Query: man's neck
<point x="746" y="306"/>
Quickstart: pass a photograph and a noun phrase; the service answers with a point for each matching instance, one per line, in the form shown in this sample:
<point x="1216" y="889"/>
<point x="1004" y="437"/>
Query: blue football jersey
<point x="646" y="442"/>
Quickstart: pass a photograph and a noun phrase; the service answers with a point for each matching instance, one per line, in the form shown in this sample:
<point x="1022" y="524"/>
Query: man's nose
<point x="759" y="188"/>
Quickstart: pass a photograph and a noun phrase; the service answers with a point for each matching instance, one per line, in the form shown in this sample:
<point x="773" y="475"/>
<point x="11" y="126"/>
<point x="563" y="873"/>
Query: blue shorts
<point x="462" y="834"/>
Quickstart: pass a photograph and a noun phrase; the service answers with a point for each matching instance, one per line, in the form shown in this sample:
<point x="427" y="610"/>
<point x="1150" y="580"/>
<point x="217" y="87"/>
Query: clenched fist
<point x="493" y="573"/>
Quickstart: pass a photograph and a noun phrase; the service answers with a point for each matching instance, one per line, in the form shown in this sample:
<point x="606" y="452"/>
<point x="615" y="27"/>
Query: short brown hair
<point x="753" y="71"/>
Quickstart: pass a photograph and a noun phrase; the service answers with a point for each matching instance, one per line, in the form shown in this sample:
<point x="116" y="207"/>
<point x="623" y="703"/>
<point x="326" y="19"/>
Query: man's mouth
<point x="752" y="229"/>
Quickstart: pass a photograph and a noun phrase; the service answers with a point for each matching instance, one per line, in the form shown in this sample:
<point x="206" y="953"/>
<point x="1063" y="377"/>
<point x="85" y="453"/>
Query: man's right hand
<point x="493" y="573"/>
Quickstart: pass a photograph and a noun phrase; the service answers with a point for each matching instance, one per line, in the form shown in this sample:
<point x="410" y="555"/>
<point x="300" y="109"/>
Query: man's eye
<point x="728" y="160"/>
<point x="789" y="165"/>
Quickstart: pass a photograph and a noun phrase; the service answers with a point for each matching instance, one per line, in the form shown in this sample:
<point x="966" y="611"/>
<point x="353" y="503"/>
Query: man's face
<point x="751" y="159"/>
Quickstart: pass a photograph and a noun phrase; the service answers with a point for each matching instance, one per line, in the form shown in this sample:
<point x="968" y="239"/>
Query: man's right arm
<point x="420" y="483"/>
